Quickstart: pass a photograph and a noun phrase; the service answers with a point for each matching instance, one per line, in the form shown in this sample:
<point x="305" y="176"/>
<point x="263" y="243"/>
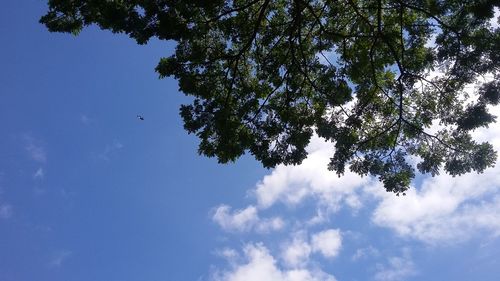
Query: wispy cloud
<point x="438" y="211"/>
<point x="258" y="264"/>
<point x="39" y="174"/>
<point x="327" y="242"/>
<point x="5" y="211"/>
<point x="229" y="254"/>
<point x="438" y="215"/>
<point x="59" y="257"/>
<point x="296" y="252"/>
<point x="363" y="253"/>
<point x="239" y="220"/>
<point x="267" y="225"/>
<point x="35" y="150"/>
<point x="245" y="220"/>
<point x="446" y="209"/>
<point x="110" y="149"/>
<point x="292" y="185"/>
<point x="85" y="120"/>
<point x="396" y="268"/>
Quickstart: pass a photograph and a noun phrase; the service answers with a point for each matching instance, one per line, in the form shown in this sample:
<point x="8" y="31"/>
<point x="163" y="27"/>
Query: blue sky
<point x="88" y="192"/>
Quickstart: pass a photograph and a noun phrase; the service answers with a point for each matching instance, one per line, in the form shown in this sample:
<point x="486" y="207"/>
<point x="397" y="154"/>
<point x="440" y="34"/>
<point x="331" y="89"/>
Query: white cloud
<point x="445" y="208"/>
<point x="39" y="174"/>
<point x="228" y="254"/>
<point x="327" y="242"/>
<point x="320" y="217"/>
<point x="424" y="218"/>
<point x="239" y="220"/>
<point x="307" y="275"/>
<point x="85" y="119"/>
<point x="496" y="18"/>
<point x="59" y="258"/>
<point x="292" y="184"/>
<point x="34" y="149"/>
<point x="109" y="149"/>
<point x="366" y="252"/>
<point x="5" y="211"/>
<point x="260" y="265"/>
<point x="5" y="208"/>
<point x="270" y="224"/>
<point x="245" y="220"/>
<point x="436" y="211"/>
<point x="396" y="269"/>
<point x="296" y="252"/>
<point x="440" y="210"/>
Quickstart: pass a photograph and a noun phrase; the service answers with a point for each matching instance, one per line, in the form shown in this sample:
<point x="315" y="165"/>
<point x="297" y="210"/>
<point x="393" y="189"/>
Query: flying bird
<point x="140" y="117"/>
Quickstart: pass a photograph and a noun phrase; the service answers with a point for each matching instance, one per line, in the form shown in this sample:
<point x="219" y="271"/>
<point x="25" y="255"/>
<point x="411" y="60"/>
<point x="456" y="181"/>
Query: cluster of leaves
<point x="265" y="75"/>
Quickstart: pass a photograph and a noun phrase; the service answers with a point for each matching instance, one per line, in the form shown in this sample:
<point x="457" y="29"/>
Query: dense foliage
<point x="384" y="80"/>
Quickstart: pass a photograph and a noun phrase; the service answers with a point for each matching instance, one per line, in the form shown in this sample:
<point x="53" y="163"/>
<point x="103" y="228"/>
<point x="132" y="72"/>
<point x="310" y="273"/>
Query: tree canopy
<point x="384" y="80"/>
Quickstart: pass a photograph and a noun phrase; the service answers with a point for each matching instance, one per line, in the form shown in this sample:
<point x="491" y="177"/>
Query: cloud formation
<point x="5" y="211"/>
<point x="396" y="268"/>
<point x="58" y="258"/>
<point x="446" y="209"/>
<point x="297" y="251"/>
<point x="327" y="242"/>
<point x="437" y="211"/>
<point x="258" y="264"/>
<point x="365" y="252"/>
<point x="291" y="185"/>
<point x="110" y="149"/>
<point x="35" y="150"/>
<point x="39" y="174"/>
<point x="85" y="120"/>
<point x="245" y="220"/>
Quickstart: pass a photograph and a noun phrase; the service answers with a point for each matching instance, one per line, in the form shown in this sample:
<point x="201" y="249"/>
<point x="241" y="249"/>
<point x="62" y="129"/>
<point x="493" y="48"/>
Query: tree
<point x="371" y="76"/>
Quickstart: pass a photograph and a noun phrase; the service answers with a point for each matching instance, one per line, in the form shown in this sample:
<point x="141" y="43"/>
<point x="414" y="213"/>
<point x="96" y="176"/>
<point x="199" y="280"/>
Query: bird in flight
<point x="140" y="117"/>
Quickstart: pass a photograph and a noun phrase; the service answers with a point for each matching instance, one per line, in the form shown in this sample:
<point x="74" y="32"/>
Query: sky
<point x="89" y="192"/>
